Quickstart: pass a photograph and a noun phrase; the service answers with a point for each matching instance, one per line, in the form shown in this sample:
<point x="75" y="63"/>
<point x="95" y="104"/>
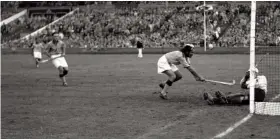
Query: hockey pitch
<point x="111" y="97"/>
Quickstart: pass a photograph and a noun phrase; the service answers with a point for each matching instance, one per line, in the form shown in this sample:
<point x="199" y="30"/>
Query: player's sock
<point x="164" y="90"/>
<point x="63" y="81"/>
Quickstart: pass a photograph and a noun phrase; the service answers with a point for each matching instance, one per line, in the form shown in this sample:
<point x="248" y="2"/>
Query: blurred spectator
<point x="103" y="26"/>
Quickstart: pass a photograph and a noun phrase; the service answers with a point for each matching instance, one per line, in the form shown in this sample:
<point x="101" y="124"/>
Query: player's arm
<point x="244" y="80"/>
<point x="186" y="65"/>
<point x="195" y="74"/>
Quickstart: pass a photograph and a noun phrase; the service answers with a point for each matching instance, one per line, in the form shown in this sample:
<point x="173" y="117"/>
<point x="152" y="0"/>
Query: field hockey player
<point x="56" y="51"/>
<point x="37" y="51"/>
<point x="167" y="65"/>
<point x="243" y="97"/>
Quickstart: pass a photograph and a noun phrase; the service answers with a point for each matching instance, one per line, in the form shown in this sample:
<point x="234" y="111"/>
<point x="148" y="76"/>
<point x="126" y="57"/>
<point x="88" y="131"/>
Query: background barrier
<point x="200" y="50"/>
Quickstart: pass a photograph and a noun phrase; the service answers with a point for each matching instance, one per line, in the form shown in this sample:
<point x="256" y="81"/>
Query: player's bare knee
<point x="178" y="77"/>
<point x="172" y="77"/>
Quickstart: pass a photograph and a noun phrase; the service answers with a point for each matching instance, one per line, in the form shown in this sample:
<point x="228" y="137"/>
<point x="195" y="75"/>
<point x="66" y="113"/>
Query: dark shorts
<point x="259" y="95"/>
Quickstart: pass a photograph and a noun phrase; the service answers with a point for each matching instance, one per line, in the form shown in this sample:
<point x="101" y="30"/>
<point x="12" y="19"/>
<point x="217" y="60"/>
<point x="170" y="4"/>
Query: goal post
<point x="252" y="55"/>
<point x="264" y="52"/>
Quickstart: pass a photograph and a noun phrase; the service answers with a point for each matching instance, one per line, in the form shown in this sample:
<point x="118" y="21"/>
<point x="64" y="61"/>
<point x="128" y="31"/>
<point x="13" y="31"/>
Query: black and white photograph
<point x="140" y="69"/>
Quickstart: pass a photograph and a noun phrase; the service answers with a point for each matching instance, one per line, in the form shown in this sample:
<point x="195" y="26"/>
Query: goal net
<point x="265" y="55"/>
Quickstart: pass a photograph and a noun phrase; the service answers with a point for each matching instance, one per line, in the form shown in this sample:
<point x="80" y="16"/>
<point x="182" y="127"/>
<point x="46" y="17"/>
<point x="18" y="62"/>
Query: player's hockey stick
<point x="49" y="59"/>
<point x="220" y="82"/>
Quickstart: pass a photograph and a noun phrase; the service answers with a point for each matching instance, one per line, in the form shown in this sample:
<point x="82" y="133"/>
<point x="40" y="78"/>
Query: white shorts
<point x="59" y="61"/>
<point x="37" y="55"/>
<point x="163" y="65"/>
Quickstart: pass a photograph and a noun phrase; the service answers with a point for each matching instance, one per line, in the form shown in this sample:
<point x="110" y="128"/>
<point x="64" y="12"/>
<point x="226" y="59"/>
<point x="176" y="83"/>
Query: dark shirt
<point x="139" y="44"/>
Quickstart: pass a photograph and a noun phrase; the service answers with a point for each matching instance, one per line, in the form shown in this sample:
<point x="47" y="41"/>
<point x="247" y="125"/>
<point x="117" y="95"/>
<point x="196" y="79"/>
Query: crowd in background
<point x="108" y="26"/>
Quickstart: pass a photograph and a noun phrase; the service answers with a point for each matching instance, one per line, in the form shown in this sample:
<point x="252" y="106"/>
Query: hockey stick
<point x="46" y="60"/>
<point x="220" y="82"/>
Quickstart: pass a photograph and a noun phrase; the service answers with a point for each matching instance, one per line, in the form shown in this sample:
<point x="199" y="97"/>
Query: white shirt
<point x="260" y="82"/>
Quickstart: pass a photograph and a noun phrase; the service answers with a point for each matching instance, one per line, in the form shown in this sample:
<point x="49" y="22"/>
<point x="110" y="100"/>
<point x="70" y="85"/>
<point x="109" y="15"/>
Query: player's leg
<point x="210" y="99"/>
<point x="65" y="70"/>
<point x="171" y="78"/>
<point x="177" y="78"/>
<point x="37" y="57"/>
<point x="242" y="98"/>
<point x="238" y="98"/>
<point x="178" y="75"/>
<point x="220" y="98"/>
<point x="140" y="55"/>
<point x="37" y="60"/>
<point x="61" y="65"/>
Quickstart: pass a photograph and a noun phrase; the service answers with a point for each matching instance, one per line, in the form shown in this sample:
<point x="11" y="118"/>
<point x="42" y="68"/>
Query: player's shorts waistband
<point x="55" y="55"/>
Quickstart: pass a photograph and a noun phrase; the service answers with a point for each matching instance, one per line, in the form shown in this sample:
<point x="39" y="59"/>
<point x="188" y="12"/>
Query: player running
<point x="167" y="65"/>
<point x="56" y="50"/>
<point x="241" y="98"/>
<point x="37" y="51"/>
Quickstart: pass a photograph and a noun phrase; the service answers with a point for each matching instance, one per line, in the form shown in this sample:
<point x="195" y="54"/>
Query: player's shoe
<point x="163" y="96"/>
<point x="65" y="84"/>
<point x="37" y="66"/>
<point x="222" y="97"/>
<point x="209" y="99"/>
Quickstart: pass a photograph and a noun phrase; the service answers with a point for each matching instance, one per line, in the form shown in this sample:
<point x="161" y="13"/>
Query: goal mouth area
<point x="267" y="108"/>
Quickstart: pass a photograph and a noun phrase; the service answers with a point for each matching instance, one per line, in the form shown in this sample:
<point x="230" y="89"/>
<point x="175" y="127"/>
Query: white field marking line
<point x="222" y="134"/>
<point x="245" y="119"/>
<point x="157" y="131"/>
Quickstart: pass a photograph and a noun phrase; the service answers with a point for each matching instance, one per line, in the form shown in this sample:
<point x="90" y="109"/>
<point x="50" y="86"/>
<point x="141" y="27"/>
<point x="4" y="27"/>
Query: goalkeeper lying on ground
<point x="241" y="98"/>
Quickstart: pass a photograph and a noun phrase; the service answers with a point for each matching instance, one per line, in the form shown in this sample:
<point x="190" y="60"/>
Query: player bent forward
<point x="56" y="51"/>
<point x="167" y="65"/>
<point x="241" y="98"/>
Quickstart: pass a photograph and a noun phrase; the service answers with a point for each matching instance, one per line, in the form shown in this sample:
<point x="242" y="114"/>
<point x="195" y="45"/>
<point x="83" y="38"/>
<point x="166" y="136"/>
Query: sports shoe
<point x="65" y="84"/>
<point x="222" y="97"/>
<point x="209" y="99"/>
<point x="163" y="96"/>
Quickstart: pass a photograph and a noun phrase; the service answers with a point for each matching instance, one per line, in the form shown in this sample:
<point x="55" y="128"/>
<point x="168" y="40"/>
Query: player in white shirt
<point x="167" y="65"/>
<point x="244" y="97"/>
<point x="37" y="48"/>
<point x="56" y="50"/>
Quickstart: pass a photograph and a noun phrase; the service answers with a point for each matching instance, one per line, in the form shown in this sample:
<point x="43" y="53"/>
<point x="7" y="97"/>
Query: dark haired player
<point x="167" y="65"/>
<point x="56" y="50"/>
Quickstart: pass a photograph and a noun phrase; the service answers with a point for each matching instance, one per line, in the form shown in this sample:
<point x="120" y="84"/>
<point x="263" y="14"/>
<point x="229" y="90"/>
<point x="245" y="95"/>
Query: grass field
<point x="111" y="97"/>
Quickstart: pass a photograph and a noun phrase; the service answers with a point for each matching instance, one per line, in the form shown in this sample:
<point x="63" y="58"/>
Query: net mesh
<point x="268" y="57"/>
